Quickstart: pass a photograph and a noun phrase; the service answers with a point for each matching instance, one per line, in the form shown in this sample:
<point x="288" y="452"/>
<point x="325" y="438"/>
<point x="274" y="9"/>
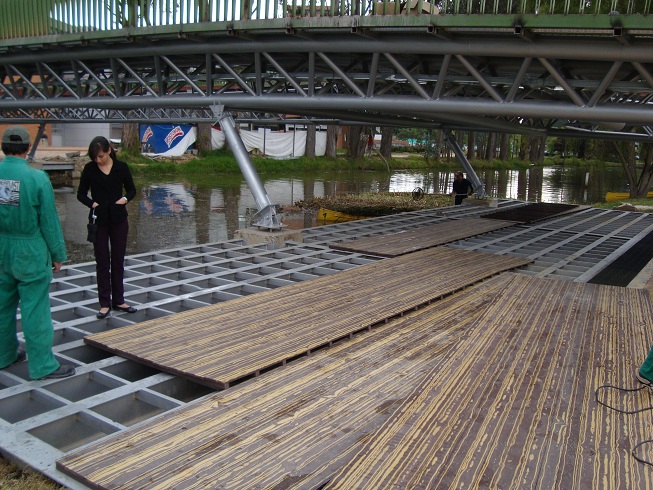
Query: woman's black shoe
<point x="101" y="315"/>
<point x="126" y="309"/>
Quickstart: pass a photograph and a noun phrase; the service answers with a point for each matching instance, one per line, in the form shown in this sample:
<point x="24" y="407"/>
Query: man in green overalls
<point x="31" y="247"/>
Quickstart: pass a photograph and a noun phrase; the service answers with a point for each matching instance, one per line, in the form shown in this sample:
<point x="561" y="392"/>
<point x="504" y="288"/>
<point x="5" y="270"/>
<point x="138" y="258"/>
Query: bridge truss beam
<point x="567" y="82"/>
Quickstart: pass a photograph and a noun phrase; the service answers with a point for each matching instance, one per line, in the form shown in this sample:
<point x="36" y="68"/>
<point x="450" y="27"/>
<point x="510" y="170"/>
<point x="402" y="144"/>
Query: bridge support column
<point x="266" y="215"/>
<point x="35" y="143"/>
<point x="479" y="187"/>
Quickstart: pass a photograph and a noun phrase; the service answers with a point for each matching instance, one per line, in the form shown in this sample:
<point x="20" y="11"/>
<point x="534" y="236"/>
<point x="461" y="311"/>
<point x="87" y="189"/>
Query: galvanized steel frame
<point x="490" y="80"/>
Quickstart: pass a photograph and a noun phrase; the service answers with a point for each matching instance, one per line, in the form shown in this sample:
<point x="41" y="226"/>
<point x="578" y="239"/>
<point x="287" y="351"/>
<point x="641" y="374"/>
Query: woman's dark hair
<point x="98" y="144"/>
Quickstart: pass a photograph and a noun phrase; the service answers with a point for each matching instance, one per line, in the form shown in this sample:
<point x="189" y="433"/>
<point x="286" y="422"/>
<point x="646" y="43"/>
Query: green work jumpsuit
<point x="30" y="240"/>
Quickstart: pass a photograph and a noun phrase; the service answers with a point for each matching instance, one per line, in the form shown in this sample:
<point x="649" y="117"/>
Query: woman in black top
<point x="106" y="177"/>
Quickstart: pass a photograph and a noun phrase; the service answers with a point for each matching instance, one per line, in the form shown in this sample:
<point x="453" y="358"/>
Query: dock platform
<point x="490" y="388"/>
<point x="51" y="420"/>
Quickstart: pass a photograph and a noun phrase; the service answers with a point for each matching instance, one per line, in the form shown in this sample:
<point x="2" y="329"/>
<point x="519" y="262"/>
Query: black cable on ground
<point x="627" y="412"/>
<point x="637" y="457"/>
<point x="626" y="390"/>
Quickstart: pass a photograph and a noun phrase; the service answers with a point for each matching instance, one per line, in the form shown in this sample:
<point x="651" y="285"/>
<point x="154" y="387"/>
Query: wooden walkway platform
<point x="395" y="244"/>
<point x="515" y="407"/>
<point x="219" y="344"/>
<point x="492" y="387"/>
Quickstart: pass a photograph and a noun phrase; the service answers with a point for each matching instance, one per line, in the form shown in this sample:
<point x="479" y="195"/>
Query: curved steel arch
<point x="558" y="81"/>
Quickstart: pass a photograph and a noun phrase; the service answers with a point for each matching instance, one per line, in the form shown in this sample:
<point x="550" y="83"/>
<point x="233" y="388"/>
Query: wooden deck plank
<point x="292" y="427"/>
<point x="515" y="408"/>
<point x="218" y="344"/>
<point x="408" y="241"/>
<point x="492" y="387"/>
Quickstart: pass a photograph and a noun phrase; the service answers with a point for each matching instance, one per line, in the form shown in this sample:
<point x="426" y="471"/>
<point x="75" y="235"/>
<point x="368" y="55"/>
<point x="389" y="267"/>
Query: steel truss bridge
<point x="529" y="68"/>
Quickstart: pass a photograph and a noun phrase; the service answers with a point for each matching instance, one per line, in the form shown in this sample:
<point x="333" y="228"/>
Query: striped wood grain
<point x="394" y="244"/>
<point x="292" y="427"/>
<point x="219" y="344"/>
<point x="514" y="406"/>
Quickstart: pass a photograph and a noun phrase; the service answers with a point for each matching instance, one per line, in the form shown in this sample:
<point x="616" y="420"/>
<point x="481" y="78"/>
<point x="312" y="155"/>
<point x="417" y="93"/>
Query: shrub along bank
<point x="224" y="162"/>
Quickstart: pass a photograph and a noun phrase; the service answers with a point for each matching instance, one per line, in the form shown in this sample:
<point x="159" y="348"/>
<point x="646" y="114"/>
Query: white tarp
<point x="269" y="143"/>
<point x="274" y="144"/>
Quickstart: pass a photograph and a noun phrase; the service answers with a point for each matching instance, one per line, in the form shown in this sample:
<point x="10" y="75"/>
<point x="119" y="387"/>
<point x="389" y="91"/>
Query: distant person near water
<point x="32" y="247"/>
<point x="461" y="188"/>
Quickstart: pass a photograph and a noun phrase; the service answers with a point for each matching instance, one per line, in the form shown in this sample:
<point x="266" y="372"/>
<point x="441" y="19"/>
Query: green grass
<point x="376" y="203"/>
<point x="220" y="162"/>
<point x="643" y="202"/>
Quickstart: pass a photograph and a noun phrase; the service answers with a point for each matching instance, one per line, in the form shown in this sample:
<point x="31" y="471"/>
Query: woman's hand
<point x="94" y="205"/>
<point x="122" y="200"/>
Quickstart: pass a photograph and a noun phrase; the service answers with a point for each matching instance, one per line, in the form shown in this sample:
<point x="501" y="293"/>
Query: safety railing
<point x="30" y="18"/>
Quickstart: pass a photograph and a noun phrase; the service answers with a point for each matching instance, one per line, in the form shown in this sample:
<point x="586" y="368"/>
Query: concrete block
<point x="490" y="202"/>
<point x="278" y="238"/>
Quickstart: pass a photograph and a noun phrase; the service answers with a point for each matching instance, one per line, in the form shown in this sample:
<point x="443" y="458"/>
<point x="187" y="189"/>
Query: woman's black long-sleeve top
<point x="106" y="190"/>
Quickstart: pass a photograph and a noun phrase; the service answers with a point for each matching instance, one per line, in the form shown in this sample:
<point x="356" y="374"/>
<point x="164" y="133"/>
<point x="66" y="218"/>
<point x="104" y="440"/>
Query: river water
<point x="174" y="212"/>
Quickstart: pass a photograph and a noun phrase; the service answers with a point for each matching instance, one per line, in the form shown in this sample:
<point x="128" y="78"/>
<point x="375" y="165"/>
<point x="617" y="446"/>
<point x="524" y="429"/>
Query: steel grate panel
<point x="557" y="253"/>
<point x="633" y="230"/>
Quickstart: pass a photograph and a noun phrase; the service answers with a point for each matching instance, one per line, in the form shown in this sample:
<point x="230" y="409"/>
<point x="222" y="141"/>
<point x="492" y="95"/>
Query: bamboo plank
<point x="219" y="344"/>
<point x="292" y="427"/>
<point x="404" y="242"/>
<point x="515" y="406"/>
<point x="492" y="387"/>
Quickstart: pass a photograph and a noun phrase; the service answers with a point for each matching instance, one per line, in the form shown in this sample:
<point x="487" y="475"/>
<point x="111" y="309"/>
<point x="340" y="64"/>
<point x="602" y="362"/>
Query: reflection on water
<point x="166" y="200"/>
<point x="539" y="184"/>
<point x="173" y="213"/>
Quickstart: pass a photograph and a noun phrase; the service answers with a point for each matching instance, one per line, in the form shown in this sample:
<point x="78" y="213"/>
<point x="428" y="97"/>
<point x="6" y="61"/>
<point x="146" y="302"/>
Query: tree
<point x="504" y="151"/>
<point x="523" y="146"/>
<point x="537" y="146"/>
<point x="203" y="10"/>
<point x="431" y="146"/>
<point x="471" y="145"/>
<point x="310" y="141"/>
<point x="332" y="135"/>
<point x="203" y="142"/>
<point x="491" y="148"/>
<point x="130" y="141"/>
<point x="638" y="185"/>
<point x="386" y="142"/>
<point x="411" y="134"/>
<point x="128" y="12"/>
<point x="357" y="141"/>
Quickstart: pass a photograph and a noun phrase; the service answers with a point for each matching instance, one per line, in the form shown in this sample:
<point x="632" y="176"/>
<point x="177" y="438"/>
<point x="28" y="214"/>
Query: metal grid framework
<point x="42" y="17"/>
<point x="42" y="420"/>
<point x="573" y="82"/>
